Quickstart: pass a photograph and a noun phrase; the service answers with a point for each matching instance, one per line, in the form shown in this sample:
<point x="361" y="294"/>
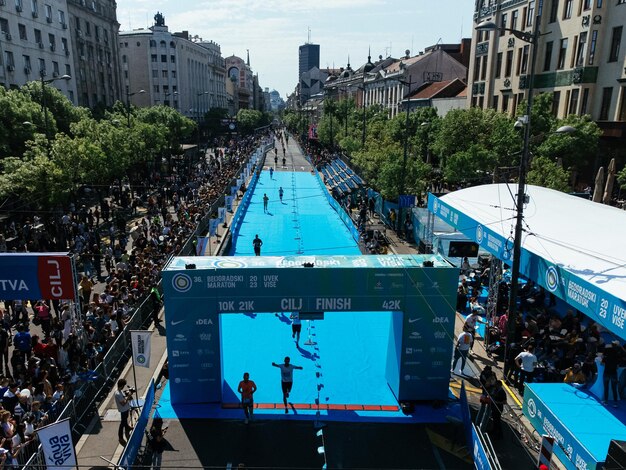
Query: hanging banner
<point x="56" y="442"/>
<point x="246" y="173"/>
<point x="140" y="340"/>
<point x="239" y="182"/>
<point x="213" y="224"/>
<point x="228" y="200"/>
<point x="201" y="245"/>
<point x="36" y="276"/>
<point x="233" y="190"/>
<point x="221" y="214"/>
<point x="313" y="132"/>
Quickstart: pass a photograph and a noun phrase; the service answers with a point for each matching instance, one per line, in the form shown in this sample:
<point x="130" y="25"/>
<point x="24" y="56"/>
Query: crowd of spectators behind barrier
<point x="567" y="346"/>
<point x="39" y="371"/>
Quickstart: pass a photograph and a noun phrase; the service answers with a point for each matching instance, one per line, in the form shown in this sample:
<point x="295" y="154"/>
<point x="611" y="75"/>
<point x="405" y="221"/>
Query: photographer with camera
<point x="122" y="400"/>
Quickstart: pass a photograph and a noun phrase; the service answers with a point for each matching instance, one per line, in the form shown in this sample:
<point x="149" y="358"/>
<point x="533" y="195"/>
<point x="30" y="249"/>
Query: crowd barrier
<point x="100" y="381"/>
<point x="136" y="438"/>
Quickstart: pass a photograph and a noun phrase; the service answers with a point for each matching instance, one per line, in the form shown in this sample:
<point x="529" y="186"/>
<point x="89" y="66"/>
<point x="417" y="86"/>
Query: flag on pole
<point x="58" y="449"/>
<point x="140" y="340"/>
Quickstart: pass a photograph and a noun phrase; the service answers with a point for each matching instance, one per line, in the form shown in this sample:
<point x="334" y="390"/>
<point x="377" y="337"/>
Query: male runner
<point x="280" y="194"/>
<point x="265" y="201"/>
<point x="257" y="243"/>
<point x="271" y="172"/>
<point x="286" y="379"/>
<point x="296" y="326"/>
<point x="247" y="388"/>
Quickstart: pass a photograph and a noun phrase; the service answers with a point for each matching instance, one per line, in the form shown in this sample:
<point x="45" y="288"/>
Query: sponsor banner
<point x="567" y="448"/>
<point x="213" y="224"/>
<point x="312" y="131"/>
<point x="233" y="190"/>
<point x="221" y="214"/>
<point x="343" y="215"/>
<point x="479" y="452"/>
<point x="201" y="246"/>
<point x="140" y="340"/>
<point x="406" y="201"/>
<point x="36" y="276"/>
<point x="604" y="308"/>
<point x="466" y="416"/>
<point x="134" y="443"/>
<point x="228" y="201"/>
<point x="57" y="445"/>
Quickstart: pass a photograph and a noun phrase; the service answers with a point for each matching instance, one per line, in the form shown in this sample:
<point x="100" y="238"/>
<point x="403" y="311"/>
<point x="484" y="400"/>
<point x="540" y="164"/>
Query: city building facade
<point x="35" y="42"/>
<point x="240" y="74"/>
<point x="579" y="58"/>
<point x="94" y="31"/>
<point x="172" y="69"/>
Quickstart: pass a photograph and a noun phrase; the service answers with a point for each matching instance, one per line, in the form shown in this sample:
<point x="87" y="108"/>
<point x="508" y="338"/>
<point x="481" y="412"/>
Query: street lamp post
<point x="128" y="97"/>
<point x="399" y="221"/>
<point x="171" y="93"/>
<point x="532" y="39"/>
<point x="44" y="82"/>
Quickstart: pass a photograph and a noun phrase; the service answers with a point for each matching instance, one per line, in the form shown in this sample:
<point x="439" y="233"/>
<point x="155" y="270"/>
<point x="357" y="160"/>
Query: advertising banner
<point x="213" y="224"/>
<point x="228" y="200"/>
<point x="36" y="276"/>
<point x="201" y="245"/>
<point x="221" y="214"/>
<point x="136" y="438"/>
<point x="57" y="445"/>
<point x="223" y="285"/>
<point x="140" y="340"/>
<point x="479" y="452"/>
<point x="606" y="309"/>
<point x="567" y="448"/>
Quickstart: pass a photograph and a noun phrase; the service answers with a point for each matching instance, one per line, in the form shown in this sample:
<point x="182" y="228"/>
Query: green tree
<point x="545" y="172"/>
<point x="248" y="120"/>
<point x="177" y="127"/>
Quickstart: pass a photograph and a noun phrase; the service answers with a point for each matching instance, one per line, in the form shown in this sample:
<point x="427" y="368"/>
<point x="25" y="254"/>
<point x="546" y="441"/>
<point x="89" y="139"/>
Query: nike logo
<point x="174" y="323"/>
<point x="413" y="320"/>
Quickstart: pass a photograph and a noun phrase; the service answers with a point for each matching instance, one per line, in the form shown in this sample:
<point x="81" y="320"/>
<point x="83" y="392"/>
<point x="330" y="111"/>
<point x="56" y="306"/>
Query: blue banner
<point x="343" y="215"/>
<point x="406" y="201"/>
<point x="201" y="245"/>
<point x="568" y="449"/>
<point x="221" y="214"/>
<point x="466" y="415"/>
<point x="479" y="453"/>
<point x="228" y="200"/>
<point x="602" y="307"/>
<point x="213" y="224"/>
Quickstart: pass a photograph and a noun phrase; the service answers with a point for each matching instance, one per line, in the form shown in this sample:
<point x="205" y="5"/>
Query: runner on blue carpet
<point x="286" y="378"/>
<point x="265" y="201"/>
<point x="296" y="326"/>
<point x="271" y="172"/>
<point x="280" y="193"/>
<point x="247" y="388"/>
<point x="257" y="243"/>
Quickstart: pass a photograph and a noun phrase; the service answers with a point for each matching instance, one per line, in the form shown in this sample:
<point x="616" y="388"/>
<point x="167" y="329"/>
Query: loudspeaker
<point x="616" y="458"/>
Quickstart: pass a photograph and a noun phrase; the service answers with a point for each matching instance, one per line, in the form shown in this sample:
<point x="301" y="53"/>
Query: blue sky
<point x="273" y="29"/>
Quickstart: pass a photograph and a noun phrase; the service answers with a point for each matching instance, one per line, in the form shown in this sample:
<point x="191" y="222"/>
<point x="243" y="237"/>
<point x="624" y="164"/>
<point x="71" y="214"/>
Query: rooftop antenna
<point x="309" y="36"/>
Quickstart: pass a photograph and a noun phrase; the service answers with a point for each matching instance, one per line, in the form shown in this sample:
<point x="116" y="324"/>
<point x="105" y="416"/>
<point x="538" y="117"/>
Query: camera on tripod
<point x="129" y="391"/>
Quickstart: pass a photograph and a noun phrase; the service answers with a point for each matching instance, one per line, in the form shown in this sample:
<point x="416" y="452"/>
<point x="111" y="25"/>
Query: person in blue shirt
<point x="22" y="341"/>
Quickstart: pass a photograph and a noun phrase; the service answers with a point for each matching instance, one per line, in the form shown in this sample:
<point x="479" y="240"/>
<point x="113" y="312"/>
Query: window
<point x="163" y="44"/>
<point x="587" y="4"/>
<point x="498" y="65"/>
<point x="622" y="107"/>
<point x="477" y="68"/>
<point x="124" y="59"/>
<point x="87" y="28"/>
<point x="615" y="43"/>
<point x="164" y="73"/>
<point x="509" y="64"/>
<point x="97" y="32"/>
<point x="55" y="68"/>
<point x="607" y="94"/>
<point x="38" y="36"/>
<point x="22" y="30"/>
<point x="155" y="88"/>
<point x="4" y="26"/>
<point x="53" y="42"/>
<point x="519" y="61"/>
<point x="153" y="58"/>
<point x="483" y="69"/>
<point x="562" y="53"/>
<point x="8" y="59"/>
<point x="78" y="24"/>
<point x="580" y="53"/>
<point x="585" y="101"/>
<point x="503" y="24"/>
<point x="514" y="17"/>
<point x="505" y="103"/>
<point x="64" y="44"/>
<point x="525" y="50"/>
<point x="567" y="10"/>
<point x="42" y="66"/>
<point x="531" y="13"/>
<point x="155" y="73"/>
<point x="592" y="46"/>
<point x="163" y="58"/>
<point x="573" y="101"/>
<point x="61" y="17"/>
<point x="547" y="61"/>
<point x="554" y="10"/>
<point x="173" y="59"/>
<point x="174" y="75"/>
<point x="172" y="45"/>
<point x="495" y="102"/>
<point x="68" y="69"/>
<point x="26" y="59"/>
<point x="106" y="35"/>
<point x="18" y="5"/>
<point x="152" y="43"/>
<point x="556" y="99"/>
<point x="34" y="7"/>
<point x="599" y="3"/>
